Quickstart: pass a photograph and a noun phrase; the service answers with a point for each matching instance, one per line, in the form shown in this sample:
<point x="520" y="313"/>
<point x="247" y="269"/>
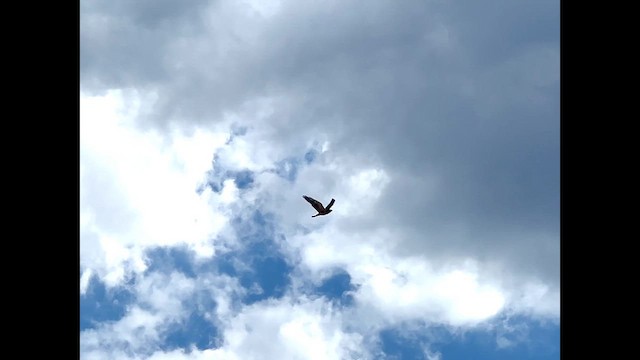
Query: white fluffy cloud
<point x="138" y="188"/>
<point x="300" y="328"/>
<point x="159" y="302"/>
<point x="291" y="329"/>
<point x="404" y="288"/>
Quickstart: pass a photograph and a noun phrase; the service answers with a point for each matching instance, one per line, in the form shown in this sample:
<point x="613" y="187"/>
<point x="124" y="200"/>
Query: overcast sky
<point x="433" y="124"/>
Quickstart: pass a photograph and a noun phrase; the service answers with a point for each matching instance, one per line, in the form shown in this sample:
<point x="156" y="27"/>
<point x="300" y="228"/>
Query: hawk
<point x="318" y="206"/>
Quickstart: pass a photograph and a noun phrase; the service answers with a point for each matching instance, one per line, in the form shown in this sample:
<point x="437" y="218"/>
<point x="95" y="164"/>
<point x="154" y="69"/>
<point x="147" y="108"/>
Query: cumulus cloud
<point x="139" y="331"/>
<point x="300" y="329"/>
<point x="163" y="303"/>
<point x="138" y="189"/>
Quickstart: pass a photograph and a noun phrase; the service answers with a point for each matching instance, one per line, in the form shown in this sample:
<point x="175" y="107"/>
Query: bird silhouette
<point x="318" y="205"/>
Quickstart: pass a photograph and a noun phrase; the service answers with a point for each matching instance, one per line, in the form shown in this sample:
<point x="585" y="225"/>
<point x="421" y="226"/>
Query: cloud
<point x="84" y="280"/>
<point x="140" y="330"/>
<point x="398" y="289"/>
<point x="163" y="304"/>
<point x="138" y="189"/>
<point x="300" y="329"/>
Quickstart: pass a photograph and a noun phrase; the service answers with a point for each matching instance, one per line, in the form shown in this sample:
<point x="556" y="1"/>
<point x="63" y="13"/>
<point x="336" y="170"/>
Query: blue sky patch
<point x="287" y="168"/>
<point x="539" y="341"/>
<point x="336" y="288"/>
<point x="270" y="274"/>
<point x="100" y="304"/>
<point x="215" y="178"/>
<point x="243" y="179"/>
<point x="263" y="272"/>
<point x="310" y="155"/>
<point x="196" y="330"/>
<point x="237" y="130"/>
<point x="258" y="264"/>
<point x="169" y="259"/>
<point x="397" y="347"/>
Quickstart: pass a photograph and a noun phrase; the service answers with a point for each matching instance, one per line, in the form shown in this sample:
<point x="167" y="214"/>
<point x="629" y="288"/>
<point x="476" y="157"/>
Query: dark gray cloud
<point x="126" y="43"/>
<point x="459" y="102"/>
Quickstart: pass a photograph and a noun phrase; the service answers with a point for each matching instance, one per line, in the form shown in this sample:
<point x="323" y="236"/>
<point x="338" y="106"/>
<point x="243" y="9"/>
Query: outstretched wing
<point x="315" y="203"/>
<point x="330" y="204"/>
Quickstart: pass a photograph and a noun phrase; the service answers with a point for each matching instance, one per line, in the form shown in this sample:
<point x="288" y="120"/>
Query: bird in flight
<point x="318" y="206"/>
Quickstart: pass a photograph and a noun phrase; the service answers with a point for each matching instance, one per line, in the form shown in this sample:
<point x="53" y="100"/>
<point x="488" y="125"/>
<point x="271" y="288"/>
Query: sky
<point x="433" y="124"/>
